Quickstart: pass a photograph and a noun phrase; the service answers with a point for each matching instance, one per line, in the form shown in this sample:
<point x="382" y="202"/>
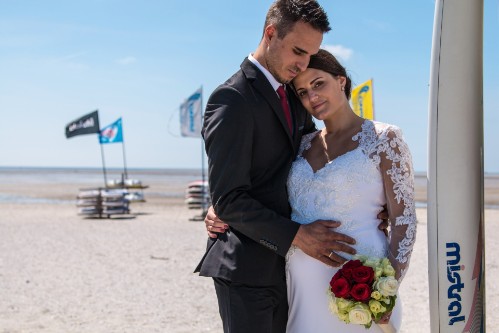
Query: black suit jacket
<point x="250" y="150"/>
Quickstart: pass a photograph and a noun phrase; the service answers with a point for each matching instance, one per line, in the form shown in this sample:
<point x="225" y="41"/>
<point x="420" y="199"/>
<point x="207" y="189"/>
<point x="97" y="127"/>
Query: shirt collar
<point x="275" y="84"/>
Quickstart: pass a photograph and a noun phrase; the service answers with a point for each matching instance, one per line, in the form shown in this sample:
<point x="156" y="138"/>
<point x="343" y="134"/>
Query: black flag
<point x="87" y="124"/>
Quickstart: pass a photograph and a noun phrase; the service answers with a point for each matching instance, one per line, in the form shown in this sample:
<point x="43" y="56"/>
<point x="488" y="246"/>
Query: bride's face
<point x="320" y="92"/>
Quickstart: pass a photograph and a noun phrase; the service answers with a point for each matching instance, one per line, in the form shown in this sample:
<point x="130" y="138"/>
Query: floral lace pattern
<point x="377" y="140"/>
<point x="351" y="189"/>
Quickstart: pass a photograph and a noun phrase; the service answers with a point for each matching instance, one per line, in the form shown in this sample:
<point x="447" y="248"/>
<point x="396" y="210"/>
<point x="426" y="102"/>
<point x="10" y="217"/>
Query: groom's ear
<point x="270" y="32"/>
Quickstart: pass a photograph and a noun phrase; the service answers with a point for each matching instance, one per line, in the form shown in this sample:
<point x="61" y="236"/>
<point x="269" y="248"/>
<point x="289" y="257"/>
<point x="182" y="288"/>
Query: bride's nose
<point x="312" y="96"/>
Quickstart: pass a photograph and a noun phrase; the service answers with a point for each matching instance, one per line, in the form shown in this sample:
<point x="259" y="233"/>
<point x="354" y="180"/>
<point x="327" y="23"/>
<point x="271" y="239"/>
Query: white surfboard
<point x="455" y="169"/>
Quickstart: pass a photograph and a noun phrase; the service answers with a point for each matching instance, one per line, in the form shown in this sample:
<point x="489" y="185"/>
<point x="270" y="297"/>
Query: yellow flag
<point x="362" y="100"/>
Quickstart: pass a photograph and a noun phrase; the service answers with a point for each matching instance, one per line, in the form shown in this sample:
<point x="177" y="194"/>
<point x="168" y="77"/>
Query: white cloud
<point x="126" y="60"/>
<point x="339" y="51"/>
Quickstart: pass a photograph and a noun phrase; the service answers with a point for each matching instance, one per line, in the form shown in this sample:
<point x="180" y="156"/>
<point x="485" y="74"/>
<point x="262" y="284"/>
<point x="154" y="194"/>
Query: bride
<point x="345" y="172"/>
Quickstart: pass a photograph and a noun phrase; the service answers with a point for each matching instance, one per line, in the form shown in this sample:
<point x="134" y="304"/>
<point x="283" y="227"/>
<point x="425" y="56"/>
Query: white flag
<point x="190" y="115"/>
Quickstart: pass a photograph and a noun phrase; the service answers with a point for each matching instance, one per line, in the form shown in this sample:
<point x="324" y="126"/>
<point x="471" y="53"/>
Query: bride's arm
<point x="398" y="179"/>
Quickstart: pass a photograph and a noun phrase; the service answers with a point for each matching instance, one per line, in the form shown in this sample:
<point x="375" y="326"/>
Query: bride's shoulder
<point x="306" y="141"/>
<point x="308" y="137"/>
<point x="384" y="129"/>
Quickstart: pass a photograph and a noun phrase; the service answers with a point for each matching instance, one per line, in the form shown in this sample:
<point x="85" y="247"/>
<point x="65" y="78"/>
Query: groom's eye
<point x="298" y="51"/>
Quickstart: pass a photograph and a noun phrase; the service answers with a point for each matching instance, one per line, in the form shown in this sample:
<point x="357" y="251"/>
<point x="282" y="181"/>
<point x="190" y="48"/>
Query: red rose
<point x="363" y="274"/>
<point x="349" y="266"/>
<point x="340" y="287"/>
<point x="352" y="264"/>
<point x="335" y="277"/>
<point x="361" y="292"/>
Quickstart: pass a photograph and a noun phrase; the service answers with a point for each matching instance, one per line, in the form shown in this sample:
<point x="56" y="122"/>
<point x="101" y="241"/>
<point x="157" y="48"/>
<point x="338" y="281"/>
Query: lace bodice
<point x="353" y="188"/>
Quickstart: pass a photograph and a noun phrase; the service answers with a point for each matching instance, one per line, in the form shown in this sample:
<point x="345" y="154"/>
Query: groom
<point x="252" y="131"/>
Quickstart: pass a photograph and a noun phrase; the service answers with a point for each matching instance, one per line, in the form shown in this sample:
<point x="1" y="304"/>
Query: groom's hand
<point x="214" y="225"/>
<point x="320" y="241"/>
<point x="383" y="216"/>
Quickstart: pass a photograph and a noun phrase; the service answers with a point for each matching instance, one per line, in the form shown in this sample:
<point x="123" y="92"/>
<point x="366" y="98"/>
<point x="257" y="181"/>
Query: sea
<point x="177" y="180"/>
<point x="168" y="183"/>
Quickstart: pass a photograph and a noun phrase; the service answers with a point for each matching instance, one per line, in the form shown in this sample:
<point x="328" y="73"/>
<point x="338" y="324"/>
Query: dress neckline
<point x="313" y="135"/>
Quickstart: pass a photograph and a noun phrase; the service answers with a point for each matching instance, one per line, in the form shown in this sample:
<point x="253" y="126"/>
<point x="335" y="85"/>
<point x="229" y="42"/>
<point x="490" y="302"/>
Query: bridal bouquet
<point x="363" y="290"/>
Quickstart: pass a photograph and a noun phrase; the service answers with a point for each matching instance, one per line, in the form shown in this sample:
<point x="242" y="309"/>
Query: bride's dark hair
<point x="327" y="62"/>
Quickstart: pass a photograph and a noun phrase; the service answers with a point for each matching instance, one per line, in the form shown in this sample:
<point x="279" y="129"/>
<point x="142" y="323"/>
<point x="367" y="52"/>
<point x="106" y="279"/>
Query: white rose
<point x="360" y="314"/>
<point x="343" y="304"/>
<point x="372" y="262"/>
<point x="385" y="262"/>
<point x="332" y="302"/>
<point x="389" y="271"/>
<point x="333" y="307"/>
<point x="360" y="257"/>
<point x="376" y="295"/>
<point x="387" y="286"/>
<point x="378" y="271"/>
<point x="343" y="316"/>
<point x="376" y="307"/>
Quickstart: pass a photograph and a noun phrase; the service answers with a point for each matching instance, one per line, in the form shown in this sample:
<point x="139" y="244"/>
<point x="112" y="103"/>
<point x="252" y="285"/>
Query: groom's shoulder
<point x="237" y="83"/>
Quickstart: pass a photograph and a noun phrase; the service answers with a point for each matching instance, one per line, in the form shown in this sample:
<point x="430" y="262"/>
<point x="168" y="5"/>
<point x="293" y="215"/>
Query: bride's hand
<point x="319" y="240"/>
<point x="385" y="319"/>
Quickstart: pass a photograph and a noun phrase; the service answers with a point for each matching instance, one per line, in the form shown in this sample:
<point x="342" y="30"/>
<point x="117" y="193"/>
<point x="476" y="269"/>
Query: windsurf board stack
<point x="197" y="195"/>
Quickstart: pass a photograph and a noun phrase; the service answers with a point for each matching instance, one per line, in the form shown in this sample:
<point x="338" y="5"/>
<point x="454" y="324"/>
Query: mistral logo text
<point x="453" y="293"/>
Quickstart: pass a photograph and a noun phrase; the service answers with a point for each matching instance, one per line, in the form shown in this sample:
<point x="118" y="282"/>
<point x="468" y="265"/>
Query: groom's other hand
<point x="319" y="240"/>
<point x="214" y="225"/>
<point x="383" y="216"/>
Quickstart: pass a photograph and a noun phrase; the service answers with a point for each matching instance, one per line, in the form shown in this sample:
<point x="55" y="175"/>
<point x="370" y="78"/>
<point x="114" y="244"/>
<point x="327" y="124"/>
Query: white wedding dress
<point x="350" y="189"/>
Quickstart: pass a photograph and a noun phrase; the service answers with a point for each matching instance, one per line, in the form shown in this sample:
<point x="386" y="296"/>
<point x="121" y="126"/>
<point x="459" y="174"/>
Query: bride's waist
<point x="367" y="215"/>
<point x="362" y="230"/>
<point x="346" y="223"/>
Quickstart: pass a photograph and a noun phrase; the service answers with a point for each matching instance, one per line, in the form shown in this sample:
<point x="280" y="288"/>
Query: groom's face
<point x="287" y="57"/>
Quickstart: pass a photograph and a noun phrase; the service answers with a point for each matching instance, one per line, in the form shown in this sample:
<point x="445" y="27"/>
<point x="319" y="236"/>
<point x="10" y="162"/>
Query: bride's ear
<point x="342" y="80"/>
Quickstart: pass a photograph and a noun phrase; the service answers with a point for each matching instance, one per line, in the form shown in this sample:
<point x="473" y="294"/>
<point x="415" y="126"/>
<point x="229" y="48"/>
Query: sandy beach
<point x="61" y="272"/>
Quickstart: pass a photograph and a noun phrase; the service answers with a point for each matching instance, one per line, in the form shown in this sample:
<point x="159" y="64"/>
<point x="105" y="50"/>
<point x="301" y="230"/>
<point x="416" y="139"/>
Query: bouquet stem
<point x="387" y="328"/>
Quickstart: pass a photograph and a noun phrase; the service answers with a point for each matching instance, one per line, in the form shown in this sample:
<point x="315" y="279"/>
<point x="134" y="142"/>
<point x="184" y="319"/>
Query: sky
<point x="139" y="60"/>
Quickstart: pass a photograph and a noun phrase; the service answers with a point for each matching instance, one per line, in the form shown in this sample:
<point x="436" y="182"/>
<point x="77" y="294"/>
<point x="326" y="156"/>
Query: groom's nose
<point x="301" y="65"/>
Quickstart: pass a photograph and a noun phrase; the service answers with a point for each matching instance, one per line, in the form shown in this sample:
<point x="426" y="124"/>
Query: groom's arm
<point x="228" y="131"/>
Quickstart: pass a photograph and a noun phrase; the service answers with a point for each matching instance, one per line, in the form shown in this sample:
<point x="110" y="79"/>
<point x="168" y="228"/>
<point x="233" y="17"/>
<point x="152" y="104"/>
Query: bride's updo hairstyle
<point x="326" y="62"/>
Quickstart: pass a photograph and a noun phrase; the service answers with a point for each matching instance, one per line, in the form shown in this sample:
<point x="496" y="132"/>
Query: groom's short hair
<point x="285" y="13"/>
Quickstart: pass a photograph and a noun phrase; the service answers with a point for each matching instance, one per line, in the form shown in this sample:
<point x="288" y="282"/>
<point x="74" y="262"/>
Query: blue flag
<point x="190" y="115"/>
<point x="112" y="133"/>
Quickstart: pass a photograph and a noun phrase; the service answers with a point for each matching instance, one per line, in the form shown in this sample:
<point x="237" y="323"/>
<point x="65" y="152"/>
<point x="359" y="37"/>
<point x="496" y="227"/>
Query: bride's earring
<point x="342" y="88"/>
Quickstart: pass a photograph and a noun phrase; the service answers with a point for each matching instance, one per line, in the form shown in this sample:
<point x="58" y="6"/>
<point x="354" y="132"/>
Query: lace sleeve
<point x="398" y="179"/>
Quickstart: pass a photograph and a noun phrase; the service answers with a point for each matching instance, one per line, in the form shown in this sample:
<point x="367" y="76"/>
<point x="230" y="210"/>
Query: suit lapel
<point x="263" y="86"/>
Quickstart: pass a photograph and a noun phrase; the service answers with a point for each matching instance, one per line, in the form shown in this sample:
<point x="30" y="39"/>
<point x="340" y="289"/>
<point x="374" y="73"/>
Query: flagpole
<point x="103" y="165"/>
<point x="205" y="209"/>
<point x="123" y="146"/>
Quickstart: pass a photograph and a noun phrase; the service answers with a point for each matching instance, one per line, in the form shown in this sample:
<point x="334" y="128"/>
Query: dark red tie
<point x="285" y="106"/>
